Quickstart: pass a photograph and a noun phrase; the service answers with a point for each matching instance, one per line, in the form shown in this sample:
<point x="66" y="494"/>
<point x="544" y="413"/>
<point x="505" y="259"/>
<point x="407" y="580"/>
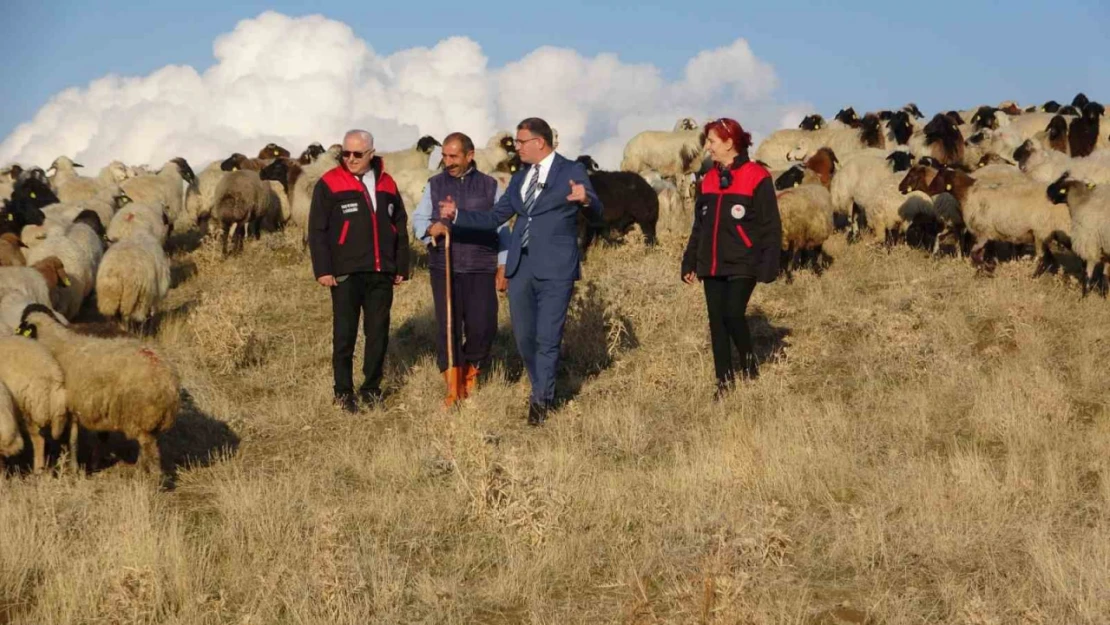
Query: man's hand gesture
<point x="577" y="193"/>
<point x="447" y="208"/>
<point x="436" y="231"/>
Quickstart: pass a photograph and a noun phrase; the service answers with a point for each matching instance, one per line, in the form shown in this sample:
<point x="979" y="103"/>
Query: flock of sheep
<point x="967" y="181"/>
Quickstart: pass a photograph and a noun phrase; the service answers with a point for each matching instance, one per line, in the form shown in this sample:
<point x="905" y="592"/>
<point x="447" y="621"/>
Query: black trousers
<point x="727" y="301"/>
<point x="474" y="317"/>
<point x="370" y="294"/>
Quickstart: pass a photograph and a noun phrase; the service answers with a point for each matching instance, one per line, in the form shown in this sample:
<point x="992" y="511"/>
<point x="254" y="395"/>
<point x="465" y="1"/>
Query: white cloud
<point x="298" y="80"/>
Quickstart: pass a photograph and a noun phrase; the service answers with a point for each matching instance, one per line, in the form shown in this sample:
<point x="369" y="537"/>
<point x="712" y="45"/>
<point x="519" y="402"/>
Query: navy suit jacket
<point x="553" y="235"/>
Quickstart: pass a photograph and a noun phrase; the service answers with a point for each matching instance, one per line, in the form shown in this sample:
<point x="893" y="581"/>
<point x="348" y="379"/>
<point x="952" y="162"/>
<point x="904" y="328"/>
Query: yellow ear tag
<point x="65" y="281"/>
<point x="797" y="184"/>
<point x="11" y="217"/>
<point x="33" y="196"/>
<point x="276" y="153"/>
<point x="1063" y="191"/>
<point x="947" y="187"/>
<point x="1090" y="185"/>
<point x="234" y="169"/>
<point x="27" y="333"/>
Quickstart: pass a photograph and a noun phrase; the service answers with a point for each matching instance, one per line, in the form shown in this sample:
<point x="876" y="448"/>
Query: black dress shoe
<point x="346" y="402"/>
<point x="537" y="413"/>
<point x="370" y="397"/>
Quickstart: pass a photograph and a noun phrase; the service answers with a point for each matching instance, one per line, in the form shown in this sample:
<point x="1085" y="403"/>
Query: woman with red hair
<point x="735" y="242"/>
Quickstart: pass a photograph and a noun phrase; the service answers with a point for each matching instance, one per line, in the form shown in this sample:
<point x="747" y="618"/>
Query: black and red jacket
<point x="737" y="230"/>
<point x="346" y="235"/>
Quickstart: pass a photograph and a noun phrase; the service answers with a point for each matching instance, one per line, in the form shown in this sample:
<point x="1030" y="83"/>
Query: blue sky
<point x="875" y="54"/>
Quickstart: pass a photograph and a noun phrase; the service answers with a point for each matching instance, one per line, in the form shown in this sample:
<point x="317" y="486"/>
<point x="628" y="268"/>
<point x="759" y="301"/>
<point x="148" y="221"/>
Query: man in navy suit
<point x="543" y="261"/>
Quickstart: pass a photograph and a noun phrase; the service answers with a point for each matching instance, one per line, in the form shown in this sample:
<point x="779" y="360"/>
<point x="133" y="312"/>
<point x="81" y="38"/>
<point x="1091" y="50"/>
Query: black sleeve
<point x="690" y="256"/>
<point x="401" y="223"/>
<point x="768" y="234"/>
<point x="319" y="214"/>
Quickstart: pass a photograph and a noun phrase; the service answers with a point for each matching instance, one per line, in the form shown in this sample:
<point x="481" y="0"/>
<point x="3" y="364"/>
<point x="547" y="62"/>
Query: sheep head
<point x="848" y="117"/>
<point x="917" y="178"/>
<point x="871" y="131"/>
<point x="984" y="118"/>
<point x="183" y="168"/>
<point x="812" y="122"/>
<point x="1051" y="106"/>
<point x="33" y="316"/>
<point x="1069" y="110"/>
<point x="53" y="271"/>
<point x="955" y="117"/>
<point x="900" y="161"/>
<point x="233" y="162"/>
<point x="954" y="181"/>
<point x="823" y="163"/>
<point x="912" y="109"/>
<point x="901" y="127"/>
<point x="311" y="153"/>
<point x="590" y="164"/>
<point x="1080" y="100"/>
<point x="273" y="150"/>
<point x="790" y="178"/>
<point x="1092" y="111"/>
<point x="427" y="144"/>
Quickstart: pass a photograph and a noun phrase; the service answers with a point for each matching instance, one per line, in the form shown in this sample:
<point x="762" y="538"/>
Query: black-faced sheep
<point x="168" y="187"/>
<point x="900" y="128"/>
<point x="112" y="385"/>
<point x="499" y="150"/>
<point x="944" y="140"/>
<point x="1080" y="100"/>
<point x="415" y="157"/>
<point x="871" y="131"/>
<point x="1083" y="131"/>
<point x="847" y="117"/>
<point x="1089" y="208"/>
<point x="627" y="199"/>
<point x="812" y="122"/>
<point x="310" y="153"/>
<point x="238" y="161"/>
<point x="1057" y="134"/>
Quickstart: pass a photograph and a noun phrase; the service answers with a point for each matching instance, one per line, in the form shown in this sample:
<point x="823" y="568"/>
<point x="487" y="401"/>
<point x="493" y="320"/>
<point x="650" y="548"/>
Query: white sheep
<point x="150" y="218"/>
<point x="37" y="284"/>
<point x="807" y="223"/>
<point x="133" y="278"/>
<point x="415" y="157"/>
<point x="1017" y="212"/>
<point x="411" y="183"/>
<point x="11" y="439"/>
<point x="1047" y="166"/>
<point x="34" y="379"/>
<point x="785" y="147"/>
<point x="71" y="186"/>
<point x="497" y="153"/>
<point x="112" y="384"/>
<point x="113" y="173"/>
<point x="1089" y="208"/>
<point x="104" y="204"/>
<point x="80" y="249"/>
<point x="169" y="187"/>
<point x="306" y="184"/>
<point x="675" y="155"/>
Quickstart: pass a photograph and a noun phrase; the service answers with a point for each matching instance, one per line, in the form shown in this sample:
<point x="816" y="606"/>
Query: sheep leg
<point x="1044" y="257"/>
<point x="237" y="242"/>
<point x="38" y="443"/>
<point x="649" y="234"/>
<point x="1085" y="279"/>
<point x="74" y="430"/>
<point x="149" y="457"/>
<point x="227" y="230"/>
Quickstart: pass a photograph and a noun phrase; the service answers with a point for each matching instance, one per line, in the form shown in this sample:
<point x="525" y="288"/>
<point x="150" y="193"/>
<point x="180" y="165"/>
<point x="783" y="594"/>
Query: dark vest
<point x="472" y="251"/>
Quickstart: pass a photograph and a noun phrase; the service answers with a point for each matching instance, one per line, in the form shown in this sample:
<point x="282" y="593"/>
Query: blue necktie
<point x="529" y="201"/>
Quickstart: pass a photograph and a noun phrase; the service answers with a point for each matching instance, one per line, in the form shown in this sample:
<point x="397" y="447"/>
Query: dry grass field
<point x="925" y="446"/>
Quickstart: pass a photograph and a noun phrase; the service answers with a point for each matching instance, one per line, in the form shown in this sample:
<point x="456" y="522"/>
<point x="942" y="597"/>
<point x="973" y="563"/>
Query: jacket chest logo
<point x="349" y="207"/>
<point x="737" y="211"/>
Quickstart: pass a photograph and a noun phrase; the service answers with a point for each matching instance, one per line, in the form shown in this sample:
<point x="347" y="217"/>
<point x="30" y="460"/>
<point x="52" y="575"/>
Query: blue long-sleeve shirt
<point x="422" y="220"/>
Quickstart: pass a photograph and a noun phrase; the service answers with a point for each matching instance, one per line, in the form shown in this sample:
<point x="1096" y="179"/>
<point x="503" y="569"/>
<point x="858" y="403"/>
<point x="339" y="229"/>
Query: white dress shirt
<point x="545" y="167"/>
<point x="370" y="182"/>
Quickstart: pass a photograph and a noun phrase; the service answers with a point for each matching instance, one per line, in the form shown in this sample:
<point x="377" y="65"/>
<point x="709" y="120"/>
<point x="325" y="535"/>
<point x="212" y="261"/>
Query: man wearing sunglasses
<point x="543" y="261"/>
<point x="358" y="237"/>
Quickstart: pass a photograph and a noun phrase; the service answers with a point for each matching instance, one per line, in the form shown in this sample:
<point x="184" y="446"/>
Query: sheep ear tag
<point x="276" y="153"/>
<point x="1063" y="191"/>
<point x="11" y="217"/>
<point x="947" y="187"/>
<point x="737" y="212"/>
<point x="1090" y="185"/>
<point x="65" y="281"/>
<point x="33" y="196"/>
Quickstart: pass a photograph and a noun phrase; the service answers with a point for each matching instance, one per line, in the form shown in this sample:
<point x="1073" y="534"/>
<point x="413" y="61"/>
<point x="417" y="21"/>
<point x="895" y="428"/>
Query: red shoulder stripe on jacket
<point x="339" y="179"/>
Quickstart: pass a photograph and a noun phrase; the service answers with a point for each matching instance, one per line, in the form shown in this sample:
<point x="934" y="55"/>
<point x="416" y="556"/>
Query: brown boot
<point x="453" y="377"/>
<point x="470" y="380"/>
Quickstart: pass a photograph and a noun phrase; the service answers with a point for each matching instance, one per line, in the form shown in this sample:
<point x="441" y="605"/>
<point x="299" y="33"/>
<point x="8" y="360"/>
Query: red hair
<point x="728" y="128"/>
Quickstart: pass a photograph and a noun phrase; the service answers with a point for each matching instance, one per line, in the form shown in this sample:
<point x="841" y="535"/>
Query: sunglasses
<point x="355" y="154"/>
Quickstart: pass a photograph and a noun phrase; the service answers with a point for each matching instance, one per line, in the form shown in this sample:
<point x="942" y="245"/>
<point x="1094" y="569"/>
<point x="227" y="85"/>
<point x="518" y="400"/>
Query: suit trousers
<point x="538" y="309"/>
<point x="371" y="295"/>
<point x="474" y="316"/>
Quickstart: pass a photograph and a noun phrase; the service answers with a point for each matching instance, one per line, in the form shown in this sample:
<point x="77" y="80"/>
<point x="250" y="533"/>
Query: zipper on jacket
<point x="373" y="220"/>
<point x="716" y="228"/>
<point x="343" y="234"/>
<point x="744" y="235"/>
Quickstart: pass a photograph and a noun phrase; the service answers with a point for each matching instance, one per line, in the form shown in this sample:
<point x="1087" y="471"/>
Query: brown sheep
<point x="272" y="151"/>
<point x="10" y="253"/>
